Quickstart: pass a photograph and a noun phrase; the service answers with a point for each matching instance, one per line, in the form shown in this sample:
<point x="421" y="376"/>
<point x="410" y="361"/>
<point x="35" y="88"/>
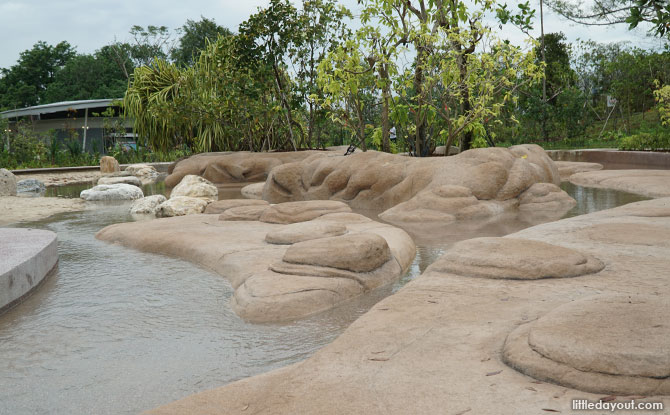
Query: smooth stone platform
<point x="26" y="257"/>
<point x="516" y="259"/>
<point x="610" y="344"/>
<point x="650" y="183"/>
<point x="568" y="168"/>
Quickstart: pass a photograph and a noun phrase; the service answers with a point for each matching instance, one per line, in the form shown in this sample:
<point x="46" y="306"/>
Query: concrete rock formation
<point x="180" y="206"/>
<point x="109" y="164"/>
<point x="517" y="259"/>
<point x="30" y="186"/>
<point x="26" y="257"/>
<point x="147" y="205"/>
<point x="221" y="206"/>
<point x="253" y="191"/>
<point x="442" y="338"/>
<point x="292" y="212"/>
<point x="474" y="184"/>
<point x="195" y="186"/>
<point x="120" y="179"/>
<point x="650" y="183"/>
<point x="568" y="168"/>
<point x="608" y="344"/>
<point x="236" y="167"/>
<point x="7" y="183"/>
<point x="109" y="192"/>
<point x="280" y="271"/>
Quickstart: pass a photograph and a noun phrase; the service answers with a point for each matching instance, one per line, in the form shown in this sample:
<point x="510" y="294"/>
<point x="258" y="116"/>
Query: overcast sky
<point x="88" y="25"/>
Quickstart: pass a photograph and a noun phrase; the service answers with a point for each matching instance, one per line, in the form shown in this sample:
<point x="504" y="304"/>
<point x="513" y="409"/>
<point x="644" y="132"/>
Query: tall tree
<point x="194" y="38"/>
<point x="25" y="83"/>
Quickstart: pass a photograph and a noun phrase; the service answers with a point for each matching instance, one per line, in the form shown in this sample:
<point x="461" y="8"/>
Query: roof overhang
<point x="58" y="107"/>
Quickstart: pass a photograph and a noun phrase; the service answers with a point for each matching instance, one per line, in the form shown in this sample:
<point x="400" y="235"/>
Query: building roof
<point x="58" y="107"/>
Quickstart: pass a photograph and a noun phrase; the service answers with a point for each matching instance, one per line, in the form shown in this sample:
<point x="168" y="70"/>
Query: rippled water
<point x="118" y="331"/>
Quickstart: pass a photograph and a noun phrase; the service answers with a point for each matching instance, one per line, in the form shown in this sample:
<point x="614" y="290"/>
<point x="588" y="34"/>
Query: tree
<point x="195" y="35"/>
<point x="25" y="83"/>
<point x="94" y="76"/>
<point x="611" y="12"/>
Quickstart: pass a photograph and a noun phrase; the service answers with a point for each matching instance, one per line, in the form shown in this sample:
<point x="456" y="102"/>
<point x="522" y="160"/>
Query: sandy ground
<point x="22" y="209"/>
<point x="436" y="345"/>
<point x="62" y="179"/>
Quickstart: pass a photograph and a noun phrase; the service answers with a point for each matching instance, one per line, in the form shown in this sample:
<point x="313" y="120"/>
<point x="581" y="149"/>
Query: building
<point x="78" y="120"/>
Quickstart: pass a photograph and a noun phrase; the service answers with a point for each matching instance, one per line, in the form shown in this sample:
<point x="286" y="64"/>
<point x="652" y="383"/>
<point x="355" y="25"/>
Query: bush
<point x="658" y="139"/>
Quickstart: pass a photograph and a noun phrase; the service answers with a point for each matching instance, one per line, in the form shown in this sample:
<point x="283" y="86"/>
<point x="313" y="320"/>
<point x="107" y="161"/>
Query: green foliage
<point x="662" y="96"/>
<point x="195" y="36"/>
<point x="25" y="83"/>
<point x="656" y="139"/>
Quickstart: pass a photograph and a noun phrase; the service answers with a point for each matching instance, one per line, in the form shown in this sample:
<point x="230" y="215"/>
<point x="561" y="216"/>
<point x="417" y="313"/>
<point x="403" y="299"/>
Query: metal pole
<point x="85" y="128"/>
<point x="544" y="59"/>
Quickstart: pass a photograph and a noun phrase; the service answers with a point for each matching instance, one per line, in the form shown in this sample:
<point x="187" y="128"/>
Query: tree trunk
<point x="289" y="118"/>
<point x="386" y="127"/>
<point x="420" y="133"/>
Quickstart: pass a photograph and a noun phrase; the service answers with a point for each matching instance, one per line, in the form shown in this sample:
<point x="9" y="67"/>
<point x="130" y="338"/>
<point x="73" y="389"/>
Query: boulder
<point x="109" y="192"/>
<point x="147" y="174"/>
<point x="293" y="212"/>
<point x="304" y="231"/>
<point x="517" y="259"/>
<point x="195" y="186"/>
<point x="608" y="344"/>
<point x="109" y="164"/>
<point x="475" y="184"/>
<point x="221" y="206"/>
<point x="237" y="167"/>
<point x="357" y="252"/>
<point x="120" y="179"/>
<point x="30" y="186"/>
<point x="253" y="191"/>
<point x="7" y="183"/>
<point x="181" y="206"/>
<point x="147" y="205"/>
<point x="248" y="212"/>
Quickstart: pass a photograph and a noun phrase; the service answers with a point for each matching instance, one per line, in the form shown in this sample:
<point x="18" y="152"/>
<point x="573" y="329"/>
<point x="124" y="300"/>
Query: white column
<point x="85" y="127"/>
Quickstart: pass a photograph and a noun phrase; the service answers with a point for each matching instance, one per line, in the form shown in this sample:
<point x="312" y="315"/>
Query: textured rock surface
<point x="121" y="179"/>
<point x="221" y="206"/>
<point x="26" y="257"/>
<point x="304" y="231"/>
<point x="253" y="191"/>
<point x="237" y="167"/>
<point x="519" y="259"/>
<point x="248" y="212"/>
<point x="276" y="282"/>
<point x="439" y="339"/>
<point x="108" y="192"/>
<point x="180" y="206"/>
<point x="195" y="186"/>
<point x="650" y="183"/>
<point x="109" y="164"/>
<point x="568" y="168"/>
<point x="475" y="184"/>
<point x="292" y="212"/>
<point x="30" y="186"/>
<point x="21" y="209"/>
<point x="616" y="344"/>
<point x="147" y="174"/>
<point x="147" y="205"/>
<point x="7" y="183"/>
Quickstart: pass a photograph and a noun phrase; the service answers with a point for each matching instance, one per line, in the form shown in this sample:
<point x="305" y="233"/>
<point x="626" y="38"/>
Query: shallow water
<point x="119" y="331"/>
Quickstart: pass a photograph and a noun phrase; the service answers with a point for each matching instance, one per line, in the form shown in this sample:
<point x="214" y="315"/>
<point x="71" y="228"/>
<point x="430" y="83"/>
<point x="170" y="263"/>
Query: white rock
<point x="181" y="206"/>
<point x="106" y="192"/>
<point x="253" y="191"/>
<point x="7" y="183"/>
<point x="147" y="205"/>
<point x="195" y="186"/>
